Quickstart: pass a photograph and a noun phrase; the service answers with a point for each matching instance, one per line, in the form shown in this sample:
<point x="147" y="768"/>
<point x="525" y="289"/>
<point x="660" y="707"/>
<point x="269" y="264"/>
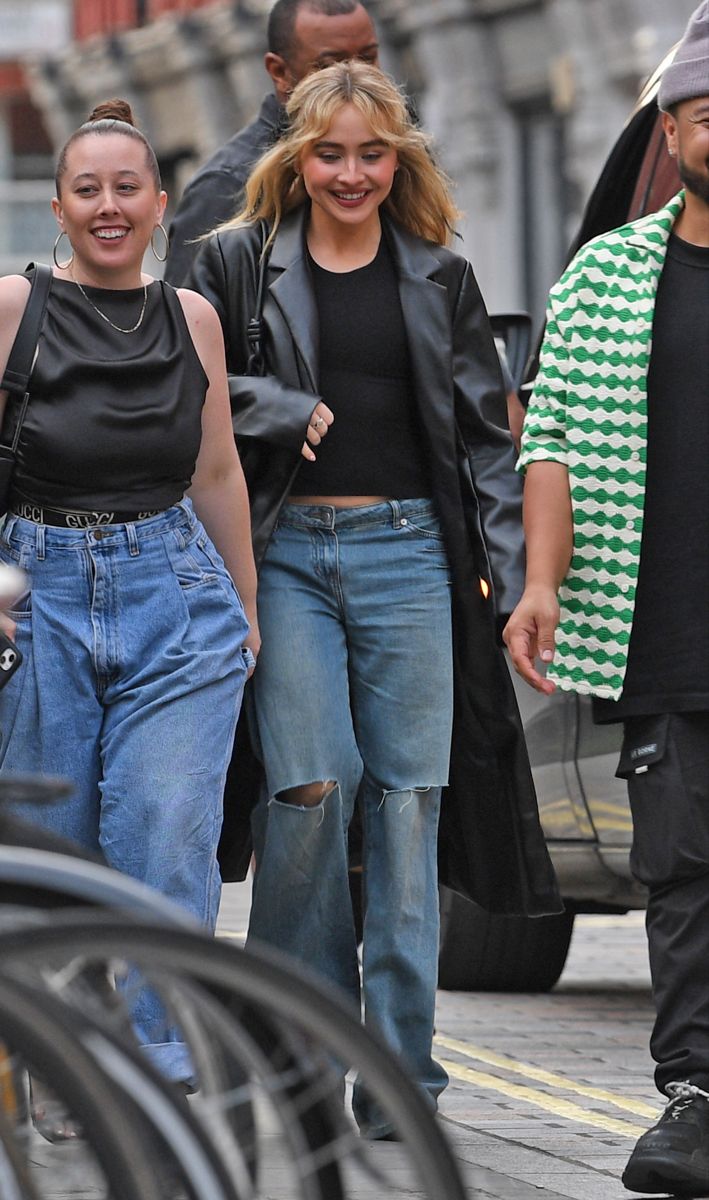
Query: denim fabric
<point x="131" y="685"/>
<point x="355" y="685"/>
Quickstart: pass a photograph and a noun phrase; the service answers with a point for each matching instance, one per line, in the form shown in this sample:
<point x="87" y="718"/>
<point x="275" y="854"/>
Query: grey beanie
<point x="687" y="76"/>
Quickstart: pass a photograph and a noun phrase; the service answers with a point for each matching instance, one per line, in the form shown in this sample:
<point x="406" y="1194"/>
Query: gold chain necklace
<point x="108" y="320"/>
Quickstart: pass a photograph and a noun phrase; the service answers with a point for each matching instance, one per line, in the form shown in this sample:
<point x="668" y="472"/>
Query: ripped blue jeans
<point x="354" y="686"/>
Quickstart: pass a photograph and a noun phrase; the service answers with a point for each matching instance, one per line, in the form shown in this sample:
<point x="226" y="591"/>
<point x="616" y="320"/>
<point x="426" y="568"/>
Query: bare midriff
<point x="338" y="501"/>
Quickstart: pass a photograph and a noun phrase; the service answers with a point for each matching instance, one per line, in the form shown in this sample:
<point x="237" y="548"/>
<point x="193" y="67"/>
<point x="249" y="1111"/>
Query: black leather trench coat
<point x="491" y="846"/>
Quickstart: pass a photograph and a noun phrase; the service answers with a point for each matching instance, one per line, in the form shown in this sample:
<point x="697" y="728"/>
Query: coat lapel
<point x="423" y="301"/>
<point x="292" y="290"/>
<point x="426" y="310"/>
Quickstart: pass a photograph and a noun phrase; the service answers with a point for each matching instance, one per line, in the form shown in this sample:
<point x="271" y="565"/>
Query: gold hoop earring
<point x="62" y="266"/>
<point x="163" y="257"/>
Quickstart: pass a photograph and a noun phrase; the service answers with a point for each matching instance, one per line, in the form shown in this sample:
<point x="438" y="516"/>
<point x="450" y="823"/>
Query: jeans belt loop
<point x="133" y="546"/>
<point x="40" y="542"/>
<point x="395" y="514"/>
<point x="8" y="526"/>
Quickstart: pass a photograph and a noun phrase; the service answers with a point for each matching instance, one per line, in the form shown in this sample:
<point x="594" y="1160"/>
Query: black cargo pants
<point x="665" y="760"/>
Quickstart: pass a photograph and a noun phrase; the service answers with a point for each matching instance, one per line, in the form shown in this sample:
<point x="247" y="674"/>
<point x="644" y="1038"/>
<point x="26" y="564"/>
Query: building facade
<point x="523" y="98"/>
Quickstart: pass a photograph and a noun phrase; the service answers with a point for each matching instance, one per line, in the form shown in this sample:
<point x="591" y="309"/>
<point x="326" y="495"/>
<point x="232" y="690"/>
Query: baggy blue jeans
<point x="131" y="684"/>
<point x="354" y="685"/>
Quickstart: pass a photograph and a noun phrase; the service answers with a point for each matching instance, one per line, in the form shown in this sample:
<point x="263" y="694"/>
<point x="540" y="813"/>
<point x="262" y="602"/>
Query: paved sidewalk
<point x="548" y="1092"/>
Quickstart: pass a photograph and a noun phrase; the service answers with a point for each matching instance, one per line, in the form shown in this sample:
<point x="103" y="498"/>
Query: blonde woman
<point x="375" y="457"/>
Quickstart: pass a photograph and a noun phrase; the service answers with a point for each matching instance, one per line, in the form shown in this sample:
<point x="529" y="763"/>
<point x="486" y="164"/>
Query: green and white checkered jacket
<point x="589" y="411"/>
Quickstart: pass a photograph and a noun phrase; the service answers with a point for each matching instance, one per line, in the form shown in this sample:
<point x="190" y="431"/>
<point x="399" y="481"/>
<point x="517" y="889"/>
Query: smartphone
<point x="10" y="659"/>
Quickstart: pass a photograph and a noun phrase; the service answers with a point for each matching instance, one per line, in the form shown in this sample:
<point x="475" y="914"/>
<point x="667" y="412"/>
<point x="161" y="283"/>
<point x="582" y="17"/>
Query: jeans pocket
<point x="191" y="566"/>
<point x="426" y="525"/>
<point x="644" y="745"/>
<point x="21" y="609"/>
<point x="670" y="819"/>
<point x="207" y="553"/>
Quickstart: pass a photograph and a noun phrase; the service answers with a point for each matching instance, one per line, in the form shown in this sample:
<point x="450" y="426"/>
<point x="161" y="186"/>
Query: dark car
<point x="583" y="807"/>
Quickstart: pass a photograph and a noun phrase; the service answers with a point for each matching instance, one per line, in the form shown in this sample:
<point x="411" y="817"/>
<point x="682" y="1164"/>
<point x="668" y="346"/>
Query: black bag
<point x="254" y="330"/>
<point x="17" y="373"/>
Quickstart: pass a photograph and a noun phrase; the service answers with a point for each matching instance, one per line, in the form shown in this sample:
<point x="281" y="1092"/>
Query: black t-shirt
<point x="374" y="446"/>
<point x="668" y="658"/>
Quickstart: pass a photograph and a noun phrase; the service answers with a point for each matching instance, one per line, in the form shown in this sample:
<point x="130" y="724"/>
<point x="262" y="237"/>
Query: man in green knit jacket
<point x="616" y="604"/>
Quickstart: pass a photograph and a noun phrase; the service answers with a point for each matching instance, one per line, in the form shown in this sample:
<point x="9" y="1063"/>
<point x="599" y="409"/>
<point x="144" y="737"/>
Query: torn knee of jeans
<point x="405" y="796"/>
<point x="307" y="795"/>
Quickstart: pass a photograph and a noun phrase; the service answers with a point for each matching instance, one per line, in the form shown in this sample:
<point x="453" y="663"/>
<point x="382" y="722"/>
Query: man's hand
<point x="529" y="634"/>
<point x="515" y="418"/>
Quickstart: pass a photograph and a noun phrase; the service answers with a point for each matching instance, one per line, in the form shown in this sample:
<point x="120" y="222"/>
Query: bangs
<point x="312" y="122"/>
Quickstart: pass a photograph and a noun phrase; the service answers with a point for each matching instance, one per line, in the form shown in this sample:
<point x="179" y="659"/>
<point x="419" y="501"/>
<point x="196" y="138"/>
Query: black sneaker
<point x="673" y="1156"/>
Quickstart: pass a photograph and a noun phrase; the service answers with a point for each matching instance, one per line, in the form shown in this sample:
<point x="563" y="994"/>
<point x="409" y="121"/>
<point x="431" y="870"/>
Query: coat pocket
<point x="644" y="745"/>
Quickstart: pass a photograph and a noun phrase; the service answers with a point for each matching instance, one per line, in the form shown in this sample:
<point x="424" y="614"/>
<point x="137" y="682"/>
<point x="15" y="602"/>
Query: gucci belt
<point x="76" y="518"/>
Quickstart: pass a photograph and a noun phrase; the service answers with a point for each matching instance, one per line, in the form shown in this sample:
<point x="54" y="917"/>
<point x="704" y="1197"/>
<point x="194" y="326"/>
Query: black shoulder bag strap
<point x="254" y="330"/>
<point x="24" y="348"/>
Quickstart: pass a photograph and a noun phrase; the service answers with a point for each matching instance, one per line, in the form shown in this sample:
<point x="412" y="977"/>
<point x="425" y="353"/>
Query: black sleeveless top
<point x="114" y="419"/>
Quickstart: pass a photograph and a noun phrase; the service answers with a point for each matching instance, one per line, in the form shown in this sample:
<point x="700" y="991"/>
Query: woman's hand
<point x="13" y="582"/>
<point x="7" y="626"/>
<point x="529" y="634"/>
<point x="253" y="644"/>
<point x="321" y="419"/>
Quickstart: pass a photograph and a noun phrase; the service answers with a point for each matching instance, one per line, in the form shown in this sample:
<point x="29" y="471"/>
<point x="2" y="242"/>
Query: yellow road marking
<point x="552" y="1104"/>
<point x="481" y="1054"/>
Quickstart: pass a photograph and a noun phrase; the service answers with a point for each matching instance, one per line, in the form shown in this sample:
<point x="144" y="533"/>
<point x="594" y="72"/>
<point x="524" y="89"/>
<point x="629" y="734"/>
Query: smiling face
<point x="320" y="40"/>
<point x="349" y="172"/>
<point x="687" y="133"/>
<point x="109" y="207"/>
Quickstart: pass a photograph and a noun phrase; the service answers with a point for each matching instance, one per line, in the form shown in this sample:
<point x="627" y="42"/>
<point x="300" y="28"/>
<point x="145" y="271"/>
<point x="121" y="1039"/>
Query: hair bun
<point x="113" y="110"/>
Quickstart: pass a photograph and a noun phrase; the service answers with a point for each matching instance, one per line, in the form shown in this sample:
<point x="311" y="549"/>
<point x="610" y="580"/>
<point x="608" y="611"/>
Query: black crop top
<point x="114" y="420"/>
<point x="374" y="446"/>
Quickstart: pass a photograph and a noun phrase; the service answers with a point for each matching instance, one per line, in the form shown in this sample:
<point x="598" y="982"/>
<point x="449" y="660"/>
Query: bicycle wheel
<point x="36" y="878"/>
<point x="116" y="1142"/>
<point x="32" y="878"/>
<point x="41" y="872"/>
<point x="241" y="1074"/>
<point x="181" y="1154"/>
<point x="291" y="1004"/>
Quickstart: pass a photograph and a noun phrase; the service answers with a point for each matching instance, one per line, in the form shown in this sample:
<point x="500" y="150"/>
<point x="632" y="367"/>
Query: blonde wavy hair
<point x="420" y="198"/>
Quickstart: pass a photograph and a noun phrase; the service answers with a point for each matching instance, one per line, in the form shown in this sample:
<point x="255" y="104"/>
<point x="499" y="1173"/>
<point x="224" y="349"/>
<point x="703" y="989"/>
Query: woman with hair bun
<point x="383" y="491"/>
<point x="129" y="512"/>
